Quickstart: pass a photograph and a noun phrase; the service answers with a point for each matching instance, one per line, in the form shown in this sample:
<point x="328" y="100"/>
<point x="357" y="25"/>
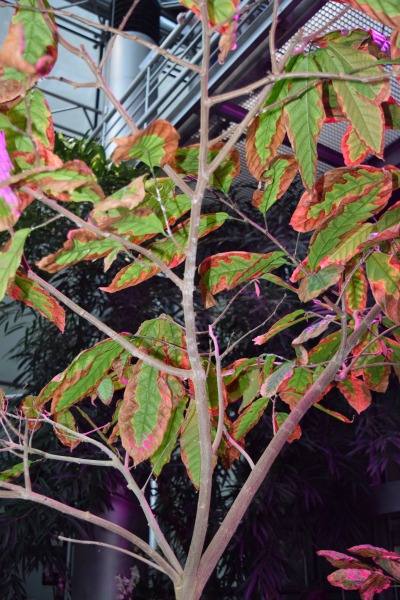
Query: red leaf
<point x="356" y="393"/>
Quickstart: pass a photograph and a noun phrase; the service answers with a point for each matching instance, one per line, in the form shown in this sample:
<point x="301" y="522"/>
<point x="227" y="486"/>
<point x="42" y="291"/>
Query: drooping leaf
<point x="32" y="114"/>
<point x="31" y="409"/>
<point x="32" y="294"/>
<point x="227" y="270"/>
<point x="342" y="561"/>
<point x="66" y="418"/>
<point x="287" y="321"/>
<point x="304" y="116"/>
<point x="351" y="214"/>
<point x="353" y="149"/>
<point x="313" y="285"/>
<point x="356" y="393"/>
<point x="154" y="145"/>
<point x="249" y="418"/>
<point x="266" y="132"/>
<point x="356" y="291"/>
<point x="10" y="258"/>
<point x="273" y="381"/>
<point x="83" y="375"/>
<point x="280" y="174"/>
<point x="166" y="250"/>
<point x="359" y="101"/>
<point x="105" y="390"/>
<point x="163" y="453"/>
<point x="145" y="412"/>
<point x="240" y="380"/>
<point x="29" y="51"/>
<point x="335" y="188"/>
<point x="81" y="245"/>
<point x="218" y="11"/>
<point x="73" y="182"/>
<point x="312" y="331"/>
<point x="383" y="272"/>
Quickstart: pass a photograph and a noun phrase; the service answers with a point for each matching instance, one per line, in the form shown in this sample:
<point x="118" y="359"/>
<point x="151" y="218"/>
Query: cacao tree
<point x="170" y="390"/>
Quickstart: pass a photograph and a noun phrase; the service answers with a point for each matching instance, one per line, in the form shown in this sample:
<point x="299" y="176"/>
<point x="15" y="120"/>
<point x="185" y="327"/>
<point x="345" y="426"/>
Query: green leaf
<point x="355" y="98"/>
<point x="105" y="390"/>
<point x="163" y="454"/>
<point x="383" y="11"/>
<point x="280" y="174"/>
<point x="10" y="258"/>
<point x="66" y="418"/>
<point x="335" y="188"/>
<point x="190" y="444"/>
<point x="304" y="116"/>
<point x="350" y="246"/>
<point x="14" y="472"/>
<point x="163" y="339"/>
<point x="34" y="111"/>
<point x="293" y="388"/>
<point x="273" y="381"/>
<point x="332" y="232"/>
<point x="81" y="245"/>
<point x="32" y="294"/>
<point x="266" y="132"/>
<point x="40" y="37"/>
<point x="73" y="182"/>
<point x="287" y="321"/>
<point x="186" y="160"/>
<point x="154" y="145"/>
<point x="249" y="418"/>
<point x="313" y="285"/>
<point x="383" y="272"/>
<point x="166" y="250"/>
<point x="353" y="149"/>
<point x="227" y="270"/>
<point x="325" y="349"/>
<point x="145" y="412"/>
<point x="83" y="375"/>
<point x="356" y="292"/>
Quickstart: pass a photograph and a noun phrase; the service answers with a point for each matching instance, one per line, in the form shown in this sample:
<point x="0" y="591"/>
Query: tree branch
<point x="264" y="464"/>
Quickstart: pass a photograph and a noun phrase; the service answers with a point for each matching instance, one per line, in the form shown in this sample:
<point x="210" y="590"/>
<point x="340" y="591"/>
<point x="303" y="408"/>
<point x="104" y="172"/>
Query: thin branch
<point x="132" y="485"/>
<point x="221" y="406"/>
<point x="273" y="78"/>
<point x="272" y="36"/>
<point x="133" y="350"/>
<point x="25" y="446"/>
<point x="15" y="491"/>
<point x="251" y="331"/>
<point x="199" y="376"/>
<point x="242" y="451"/>
<point x="120" y="28"/>
<point x="105" y="234"/>
<point x="59" y="457"/>
<point x="112" y="547"/>
<point x="262" y="467"/>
